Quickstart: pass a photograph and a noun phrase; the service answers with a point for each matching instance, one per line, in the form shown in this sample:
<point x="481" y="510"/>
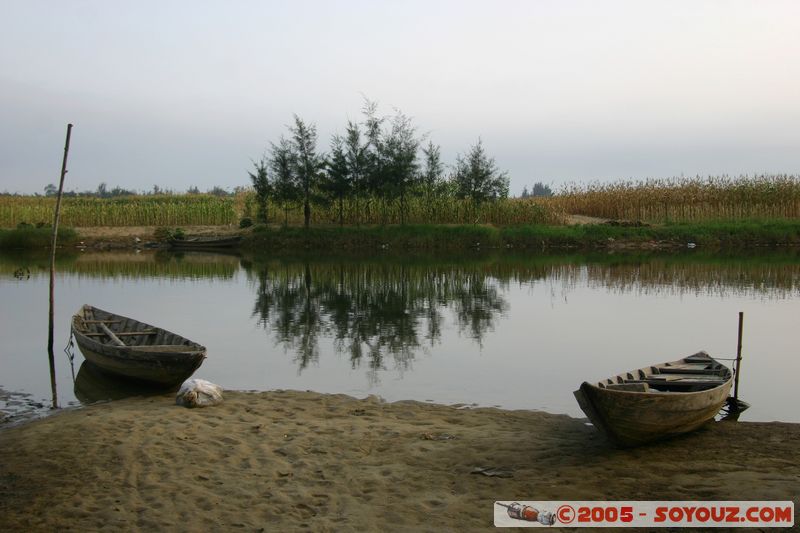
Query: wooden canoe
<point x="658" y="401"/>
<point x="131" y="349"/>
<point x="205" y="243"/>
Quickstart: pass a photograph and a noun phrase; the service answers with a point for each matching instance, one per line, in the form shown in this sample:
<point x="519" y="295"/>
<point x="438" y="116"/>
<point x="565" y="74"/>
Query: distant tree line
<point x="375" y="163"/>
<point x="539" y="190"/>
<point x="103" y="191"/>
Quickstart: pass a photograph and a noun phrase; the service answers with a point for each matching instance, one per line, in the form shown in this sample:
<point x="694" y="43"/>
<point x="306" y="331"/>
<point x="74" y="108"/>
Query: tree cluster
<point x="539" y="190"/>
<point x="377" y="162"/>
<point x="103" y="191"/>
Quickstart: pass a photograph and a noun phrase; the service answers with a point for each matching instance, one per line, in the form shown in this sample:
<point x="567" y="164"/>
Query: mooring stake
<point x="53" y="271"/>
<point x="737" y="371"/>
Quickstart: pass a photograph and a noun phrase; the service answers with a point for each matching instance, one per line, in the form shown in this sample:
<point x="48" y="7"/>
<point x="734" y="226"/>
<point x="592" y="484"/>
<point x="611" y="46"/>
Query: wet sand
<point x="285" y="460"/>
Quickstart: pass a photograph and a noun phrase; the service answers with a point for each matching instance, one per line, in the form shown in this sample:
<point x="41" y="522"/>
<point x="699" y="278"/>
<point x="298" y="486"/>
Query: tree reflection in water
<point x="378" y="309"/>
<point x="372" y="311"/>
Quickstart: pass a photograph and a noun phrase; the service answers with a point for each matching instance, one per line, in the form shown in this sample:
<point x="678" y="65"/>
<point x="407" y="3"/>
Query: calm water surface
<point x="519" y="332"/>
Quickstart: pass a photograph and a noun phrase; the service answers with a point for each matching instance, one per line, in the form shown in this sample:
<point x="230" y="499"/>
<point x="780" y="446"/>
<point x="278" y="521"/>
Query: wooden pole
<point x="50" y="354"/>
<point x="738" y="358"/>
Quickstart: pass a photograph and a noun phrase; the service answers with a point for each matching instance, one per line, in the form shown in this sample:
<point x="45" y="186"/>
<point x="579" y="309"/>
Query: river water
<point x="514" y="331"/>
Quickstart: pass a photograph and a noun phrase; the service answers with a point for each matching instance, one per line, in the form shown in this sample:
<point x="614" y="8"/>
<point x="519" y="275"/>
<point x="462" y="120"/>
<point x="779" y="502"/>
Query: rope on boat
<point x="69" y="349"/>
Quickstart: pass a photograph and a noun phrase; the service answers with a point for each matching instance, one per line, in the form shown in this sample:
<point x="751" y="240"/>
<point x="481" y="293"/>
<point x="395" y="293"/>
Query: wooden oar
<point x="116" y="340"/>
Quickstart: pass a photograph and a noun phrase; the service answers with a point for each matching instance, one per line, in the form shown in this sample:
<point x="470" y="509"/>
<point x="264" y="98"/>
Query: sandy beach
<point x="286" y="460"/>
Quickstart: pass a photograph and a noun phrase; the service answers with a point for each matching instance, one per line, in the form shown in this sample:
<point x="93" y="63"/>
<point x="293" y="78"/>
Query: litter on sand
<point x="199" y="393"/>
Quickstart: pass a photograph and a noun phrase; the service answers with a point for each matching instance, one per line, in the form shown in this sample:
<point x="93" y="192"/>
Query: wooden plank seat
<point x="706" y="378"/>
<point x="680" y="382"/>
<point x="688" y="369"/>
<point x="122" y="333"/>
<point x="630" y="387"/>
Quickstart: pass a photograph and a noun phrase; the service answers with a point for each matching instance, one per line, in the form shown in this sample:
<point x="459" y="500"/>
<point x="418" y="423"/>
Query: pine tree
<point x="285" y="187"/>
<point x="262" y="186"/>
<point x="338" y="182"/>
<point x="356" y="155"/>
<point x="478" y="178"/>
<point x="307" y="163"/>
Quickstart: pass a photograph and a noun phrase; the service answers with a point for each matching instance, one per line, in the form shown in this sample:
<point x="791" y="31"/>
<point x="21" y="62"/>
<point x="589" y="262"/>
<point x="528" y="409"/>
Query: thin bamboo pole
<point x="50" y="354"/>
<point x="738" y="358"/>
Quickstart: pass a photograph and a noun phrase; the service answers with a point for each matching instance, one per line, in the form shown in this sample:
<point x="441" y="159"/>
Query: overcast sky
<point x="186" y="93"/>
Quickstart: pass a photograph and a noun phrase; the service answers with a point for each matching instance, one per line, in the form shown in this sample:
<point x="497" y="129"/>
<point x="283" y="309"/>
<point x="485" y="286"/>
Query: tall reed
<point x="685" y="199"/>
<point x="159" y="210"/>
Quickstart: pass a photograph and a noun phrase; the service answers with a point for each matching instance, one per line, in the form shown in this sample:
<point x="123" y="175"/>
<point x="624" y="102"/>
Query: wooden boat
<point x="658" y="401"/>
<point x="147" y="353"/>
<point x="205" y="243"/>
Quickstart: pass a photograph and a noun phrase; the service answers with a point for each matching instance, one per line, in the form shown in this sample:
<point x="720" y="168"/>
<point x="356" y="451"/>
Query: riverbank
<point x="588" y="234"/>
<point x="608" y="235"/>
<point x="287" y="460"/>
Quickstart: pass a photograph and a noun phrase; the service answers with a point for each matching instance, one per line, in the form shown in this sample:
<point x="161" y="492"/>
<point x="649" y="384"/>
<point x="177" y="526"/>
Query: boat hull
<point x="157" y="367"/>
<point x="632" y="418"/>
<point x="205" y="243"/>
<point x="154" y="356"/>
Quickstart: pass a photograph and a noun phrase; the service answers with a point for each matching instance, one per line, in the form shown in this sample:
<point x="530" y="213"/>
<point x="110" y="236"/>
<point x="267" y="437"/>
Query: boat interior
<point x="116" y="330"/>
<point x="692" y="374"/>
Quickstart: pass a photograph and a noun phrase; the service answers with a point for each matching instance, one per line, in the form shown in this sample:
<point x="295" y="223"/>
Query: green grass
<point x="30" y="238"/>
<point x="740" y="233"/>
<point x="720" y="234"/>
<point x="332" y="238"/>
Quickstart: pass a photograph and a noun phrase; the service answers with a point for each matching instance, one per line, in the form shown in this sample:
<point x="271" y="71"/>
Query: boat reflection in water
<point x="92" y="385"/>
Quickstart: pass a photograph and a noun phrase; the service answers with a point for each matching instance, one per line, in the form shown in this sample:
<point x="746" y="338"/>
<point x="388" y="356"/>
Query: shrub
<point x="162" y="234"/>
<point x="28" y="237"/>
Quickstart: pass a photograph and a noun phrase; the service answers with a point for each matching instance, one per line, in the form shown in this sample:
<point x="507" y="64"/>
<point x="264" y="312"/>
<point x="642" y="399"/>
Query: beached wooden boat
<point x="205" y="243"/>
<point x="134" y="350"/>
<point x="657" y="401"/>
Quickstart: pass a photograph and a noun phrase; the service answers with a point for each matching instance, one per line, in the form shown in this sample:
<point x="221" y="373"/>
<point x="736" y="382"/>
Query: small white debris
<point x="199" y="393"/>
<point x="690" y="245"/>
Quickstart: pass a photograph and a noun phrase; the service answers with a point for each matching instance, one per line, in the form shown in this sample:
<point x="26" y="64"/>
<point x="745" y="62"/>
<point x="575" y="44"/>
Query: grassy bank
<point x="333" y="238"/>
<point x="723" y="234"/>
<point x="30" y="238"/>
<point x="734" y="234"/>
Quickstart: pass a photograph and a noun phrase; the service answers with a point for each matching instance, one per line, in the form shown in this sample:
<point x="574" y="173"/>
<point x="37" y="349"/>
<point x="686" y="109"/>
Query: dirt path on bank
<point x="574" y="220"/>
